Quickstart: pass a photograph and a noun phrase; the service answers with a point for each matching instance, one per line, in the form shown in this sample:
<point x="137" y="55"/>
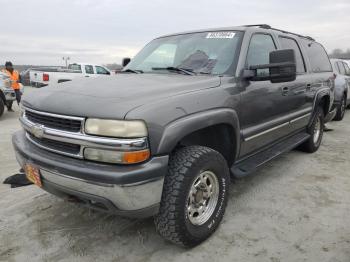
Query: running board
<point x="250" y="164"/>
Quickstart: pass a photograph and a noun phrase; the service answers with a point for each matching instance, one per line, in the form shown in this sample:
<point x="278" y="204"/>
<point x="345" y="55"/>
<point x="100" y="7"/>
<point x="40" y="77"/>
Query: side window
<point x="75" y="67"/>
<point x="318" y="57"/>
<point x="347" y="69"/>
<point x="89" y="69"/>
<point x="341" y="68"/>
<point x="101" y="71"/>
<point x="259" y="50"/>
<point x="289" y="43"/>
<point x="336" y="67"/>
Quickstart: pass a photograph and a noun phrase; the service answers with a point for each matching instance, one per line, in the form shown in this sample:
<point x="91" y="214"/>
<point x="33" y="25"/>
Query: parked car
<point x="7" y="94"/>
<point x="342" y="87"/>
<point x="188" y="113"/>
<point x="40" y="77"/>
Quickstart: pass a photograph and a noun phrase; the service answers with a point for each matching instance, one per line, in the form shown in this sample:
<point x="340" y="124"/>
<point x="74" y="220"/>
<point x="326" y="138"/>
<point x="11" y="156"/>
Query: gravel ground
<point x="296" y="208"/>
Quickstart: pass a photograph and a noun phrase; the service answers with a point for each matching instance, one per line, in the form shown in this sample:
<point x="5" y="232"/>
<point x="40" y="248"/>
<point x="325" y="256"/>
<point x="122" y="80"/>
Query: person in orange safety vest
<point x="15" y="83"/>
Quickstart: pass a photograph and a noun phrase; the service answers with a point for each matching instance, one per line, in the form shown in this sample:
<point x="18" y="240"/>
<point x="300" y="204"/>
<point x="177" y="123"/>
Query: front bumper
<point x="126" y="190"/>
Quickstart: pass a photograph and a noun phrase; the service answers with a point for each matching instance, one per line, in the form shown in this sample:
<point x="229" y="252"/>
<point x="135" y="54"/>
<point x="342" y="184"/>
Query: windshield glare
<point x="206" y="53"/>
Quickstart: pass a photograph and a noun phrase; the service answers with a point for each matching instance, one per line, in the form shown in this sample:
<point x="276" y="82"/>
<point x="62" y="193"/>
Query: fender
<point x="324" y="92"/>
<point x="179" y="128"/>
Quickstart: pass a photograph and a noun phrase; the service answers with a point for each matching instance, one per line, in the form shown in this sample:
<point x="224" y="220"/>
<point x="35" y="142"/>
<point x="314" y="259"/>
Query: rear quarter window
<point x="75" y="67"/>
<point x="318" y="57"/>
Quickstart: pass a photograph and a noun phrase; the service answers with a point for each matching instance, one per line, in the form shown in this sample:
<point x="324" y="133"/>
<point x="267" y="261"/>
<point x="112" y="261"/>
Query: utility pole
<point x="65" y="59"/>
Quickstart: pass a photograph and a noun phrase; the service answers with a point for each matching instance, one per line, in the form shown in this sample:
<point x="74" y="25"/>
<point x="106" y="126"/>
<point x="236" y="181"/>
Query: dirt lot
<point x="297" y="208"/>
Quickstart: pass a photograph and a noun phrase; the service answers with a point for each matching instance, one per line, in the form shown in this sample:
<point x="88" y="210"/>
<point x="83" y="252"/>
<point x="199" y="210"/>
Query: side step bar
<point x="249" y="165"/>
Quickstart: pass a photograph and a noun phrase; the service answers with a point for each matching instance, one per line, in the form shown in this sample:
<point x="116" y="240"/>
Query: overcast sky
<point x="40" y="32"/>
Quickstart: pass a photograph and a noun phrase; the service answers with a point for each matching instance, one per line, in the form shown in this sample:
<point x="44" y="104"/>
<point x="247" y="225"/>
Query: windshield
<point x="205" y="53"/>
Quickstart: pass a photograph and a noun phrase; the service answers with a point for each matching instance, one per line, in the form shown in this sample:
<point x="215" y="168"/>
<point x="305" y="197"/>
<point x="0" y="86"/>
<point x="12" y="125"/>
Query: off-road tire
<point x="311" y="145"/>
<point x="341" y="108"/>
<point x="185" y="164"/>
<point x="2" y="107"/>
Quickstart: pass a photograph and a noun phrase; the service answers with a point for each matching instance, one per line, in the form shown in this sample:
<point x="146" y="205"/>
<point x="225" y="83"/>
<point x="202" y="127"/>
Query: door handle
<point x="308" y="87"/>
<point x="285" y="91"/>
<point x="87" y="76"/>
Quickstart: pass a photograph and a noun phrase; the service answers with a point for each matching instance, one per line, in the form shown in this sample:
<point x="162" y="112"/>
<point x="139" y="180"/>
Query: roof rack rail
<point x="265" y="26"/>
<point x="287" y="32"/>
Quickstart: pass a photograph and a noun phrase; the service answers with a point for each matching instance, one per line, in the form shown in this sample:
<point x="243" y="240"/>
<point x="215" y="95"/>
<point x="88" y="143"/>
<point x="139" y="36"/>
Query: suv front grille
<point x="62" y="147"/>
<point x="64" y="124"/>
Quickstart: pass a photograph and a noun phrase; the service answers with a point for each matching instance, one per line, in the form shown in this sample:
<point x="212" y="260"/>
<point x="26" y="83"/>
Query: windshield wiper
<point x="187" y="71"/>
<point x="135" y="71"/>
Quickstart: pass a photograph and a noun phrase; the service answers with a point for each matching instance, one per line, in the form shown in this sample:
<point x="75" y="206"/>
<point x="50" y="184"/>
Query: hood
<point x="112" y="97"/>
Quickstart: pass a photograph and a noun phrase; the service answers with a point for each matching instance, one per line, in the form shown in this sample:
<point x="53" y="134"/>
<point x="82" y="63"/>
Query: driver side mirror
<point x="281" y="68"/>
<point x="126" y="61"/>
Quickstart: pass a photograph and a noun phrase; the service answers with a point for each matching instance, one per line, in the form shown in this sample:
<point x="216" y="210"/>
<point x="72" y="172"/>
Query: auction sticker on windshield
<point x="220" y="35"/>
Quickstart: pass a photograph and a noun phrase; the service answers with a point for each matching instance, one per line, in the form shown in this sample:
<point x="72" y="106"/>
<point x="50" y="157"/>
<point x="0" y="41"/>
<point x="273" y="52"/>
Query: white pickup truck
<point x="43" y="76"/>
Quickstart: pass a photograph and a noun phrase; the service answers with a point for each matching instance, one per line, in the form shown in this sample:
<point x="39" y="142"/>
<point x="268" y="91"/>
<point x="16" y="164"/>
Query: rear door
<point x="299" y="106"/>
<point x="89" y="71"/>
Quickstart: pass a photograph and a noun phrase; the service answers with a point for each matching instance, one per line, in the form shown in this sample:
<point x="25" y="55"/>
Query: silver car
<point x="7" y="94"/>
<point x="342" y="87"/>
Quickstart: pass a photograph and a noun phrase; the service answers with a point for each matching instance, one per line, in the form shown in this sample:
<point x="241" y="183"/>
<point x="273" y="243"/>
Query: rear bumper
<point x="37" y="84"/>
<point x="125" y="190"/>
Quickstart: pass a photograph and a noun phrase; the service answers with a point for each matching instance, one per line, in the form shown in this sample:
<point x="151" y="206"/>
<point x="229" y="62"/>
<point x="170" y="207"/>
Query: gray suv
<point x="190" y="112"/>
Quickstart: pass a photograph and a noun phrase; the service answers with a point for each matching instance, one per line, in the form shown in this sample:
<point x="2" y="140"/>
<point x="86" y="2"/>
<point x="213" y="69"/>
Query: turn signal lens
<point x="136" y="156"/>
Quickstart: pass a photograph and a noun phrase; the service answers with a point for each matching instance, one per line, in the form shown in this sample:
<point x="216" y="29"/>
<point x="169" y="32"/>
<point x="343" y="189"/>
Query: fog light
<point x="102" y="155"/>
<point x="117" y="157"/>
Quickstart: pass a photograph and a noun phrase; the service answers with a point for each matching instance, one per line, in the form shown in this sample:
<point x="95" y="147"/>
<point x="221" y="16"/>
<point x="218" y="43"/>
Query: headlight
<point x="117" y="157"/>
<point x="115" y="128"/>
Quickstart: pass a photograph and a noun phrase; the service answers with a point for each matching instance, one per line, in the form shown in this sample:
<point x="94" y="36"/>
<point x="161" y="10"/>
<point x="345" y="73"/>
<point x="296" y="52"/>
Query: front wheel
<point x="194" y="195"/>
<point x="341" y="110"/>
<point x="316" y="132"/>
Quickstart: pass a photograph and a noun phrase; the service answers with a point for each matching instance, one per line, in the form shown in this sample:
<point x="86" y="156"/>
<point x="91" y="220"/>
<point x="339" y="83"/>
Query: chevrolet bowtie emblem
<point x="37" y="131"/>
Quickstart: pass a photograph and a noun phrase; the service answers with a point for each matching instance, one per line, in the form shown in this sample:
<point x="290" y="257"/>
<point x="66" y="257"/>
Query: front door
<point x="269" y="109"/>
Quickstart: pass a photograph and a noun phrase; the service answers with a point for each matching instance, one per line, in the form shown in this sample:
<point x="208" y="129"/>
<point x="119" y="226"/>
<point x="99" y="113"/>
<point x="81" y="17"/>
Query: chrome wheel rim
<point x="202" y="198"/>
<point x="317" y="130"/>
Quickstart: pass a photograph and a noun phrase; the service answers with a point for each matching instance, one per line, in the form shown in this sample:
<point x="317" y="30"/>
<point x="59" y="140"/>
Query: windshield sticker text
<point x="220" y="35"/>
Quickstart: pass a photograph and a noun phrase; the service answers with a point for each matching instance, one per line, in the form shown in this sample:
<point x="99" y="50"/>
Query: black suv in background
<point x="189" y="112"/>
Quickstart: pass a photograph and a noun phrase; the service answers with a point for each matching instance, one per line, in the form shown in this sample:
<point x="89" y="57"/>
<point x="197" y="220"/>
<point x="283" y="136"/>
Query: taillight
<point x="46" y="77"/>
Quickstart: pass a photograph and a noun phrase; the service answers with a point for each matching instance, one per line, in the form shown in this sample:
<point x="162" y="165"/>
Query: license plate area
<point x="33" y="174"/>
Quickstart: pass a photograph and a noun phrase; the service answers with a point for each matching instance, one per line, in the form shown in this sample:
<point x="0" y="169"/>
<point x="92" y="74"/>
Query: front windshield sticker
<point x="220" y="35"/>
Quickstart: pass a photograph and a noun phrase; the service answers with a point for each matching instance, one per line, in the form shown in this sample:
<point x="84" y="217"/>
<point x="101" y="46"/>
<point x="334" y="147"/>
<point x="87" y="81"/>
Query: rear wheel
<point x="194" y="195"/>
<point x="316" y="132"/>
<point x="2" y="107"/>
<point x="341" y="110"/>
